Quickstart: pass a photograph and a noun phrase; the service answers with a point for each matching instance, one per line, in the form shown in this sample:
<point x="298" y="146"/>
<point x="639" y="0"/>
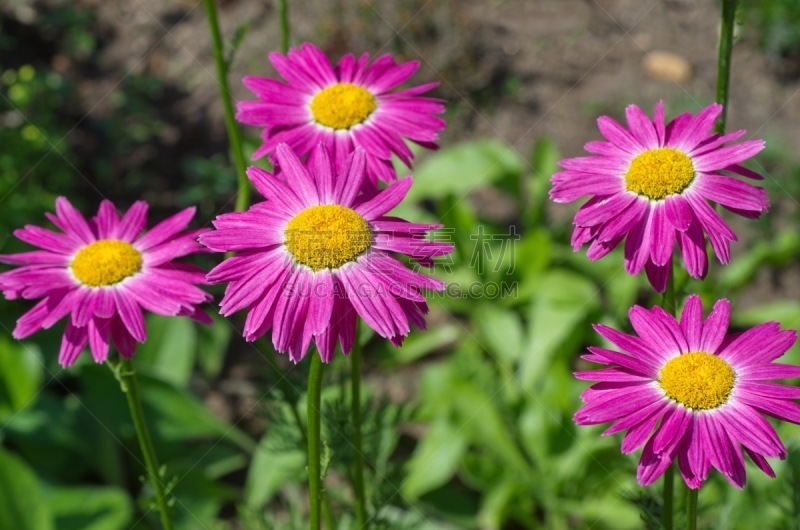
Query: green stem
<point x="289" y="396"/>
<point x="724" y="60"/>
<point x="669" y="496"/>
<point x="283" y="11"/>
<point x="668" y="299"/>
<point x="691" y="510"/>
<point x="314" y="469"/>
<point x="129" y="386"/>
<point x="327" y="512"/>
<point x="235" y="139"/>
<point x="358" y="468"/>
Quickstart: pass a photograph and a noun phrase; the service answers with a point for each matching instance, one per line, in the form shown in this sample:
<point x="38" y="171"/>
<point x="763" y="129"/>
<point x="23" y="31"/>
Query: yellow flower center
<point x="343" y="105"/>
<point x="106" y="262"/>
<point x="697" y="380"/>
<point x="327" y="236"/>
<point x="659" y="173"/>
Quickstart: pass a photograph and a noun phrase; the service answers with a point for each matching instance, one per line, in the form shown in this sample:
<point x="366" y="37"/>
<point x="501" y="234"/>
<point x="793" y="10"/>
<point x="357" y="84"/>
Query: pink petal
<point x="692" y="322"/>
<point x="716" y="326"/>
<point x="72" y="343"/>
<point x="641" y="127"/>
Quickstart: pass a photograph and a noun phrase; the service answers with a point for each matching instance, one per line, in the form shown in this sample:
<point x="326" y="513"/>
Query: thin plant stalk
<point x="234" y="137"/>
<point x="314" y="402"/>
<point x="358" y="466"/>
<point x="289" y="396"/>
<point x="283" y="12"/>
<point x="327" y="512"/>
<point x="691" y="510"/>
<point x="724" y="60"/>
<point x="668" y="300"/>
<point x="728" y="21"/>
<point x="668" y="503"/>
<point x="130" y="388"/>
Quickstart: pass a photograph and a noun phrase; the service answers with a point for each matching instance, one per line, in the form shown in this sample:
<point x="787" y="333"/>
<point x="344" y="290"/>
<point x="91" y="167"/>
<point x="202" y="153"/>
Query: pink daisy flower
<point x="103" y="273"/>
<point x="650" y="184"/>
<point x="345" y="107"/>
<point x="316" y="255"/>
<point x="703" y="391"/>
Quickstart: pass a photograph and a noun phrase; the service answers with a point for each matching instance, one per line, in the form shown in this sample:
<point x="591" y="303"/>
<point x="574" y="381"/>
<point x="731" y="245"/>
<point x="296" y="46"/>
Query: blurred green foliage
<point x="776" y="24"/>
<point x="494" y="447"/>
<point x="35" y="159"/>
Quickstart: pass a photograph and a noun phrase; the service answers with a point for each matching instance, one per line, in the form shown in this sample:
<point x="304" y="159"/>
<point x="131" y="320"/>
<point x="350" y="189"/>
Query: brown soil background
<point x="516" y="70"/>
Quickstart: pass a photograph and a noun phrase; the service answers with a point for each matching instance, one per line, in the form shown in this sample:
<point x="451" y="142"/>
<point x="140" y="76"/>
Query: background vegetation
<point x="467" y="425"/>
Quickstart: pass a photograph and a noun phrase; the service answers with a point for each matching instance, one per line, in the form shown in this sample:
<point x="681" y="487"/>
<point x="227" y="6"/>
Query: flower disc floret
<point x="327" y="236"/>
<point x="697" y="380"/>
<point x="106" y="262"/>
<point x="659" y="173"/>
<point x="343" y="106"/>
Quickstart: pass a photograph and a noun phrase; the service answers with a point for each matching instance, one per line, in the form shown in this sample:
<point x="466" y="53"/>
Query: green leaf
<point x="23" y="505"/>
<point x="419" y="344"/>
<point x="200" y="499"/>
<point x="90" y="508"/>
<point x="169" y="351"/>
<point x="236" y="42"/>
<point x="477" y="410"/>
<point x="48" y="434"/>
<point x="621" y="290"/>
<point x="460" y="224"/>
<point x="501" y="330"/>
<point x="270" y="469"/>
<point x="180" y="415"/>
<point x="605" y="511"/>
<point x="545" y="164"/>
<point x="533" y="253"/>
<point x="464" y="168"/>
<point x="454" y="503"/>
<point x="545" y="158"/>
<point x="558" y="311"/>
<point x="778" y="251"/>
<point x="502" y="501"/>
<point x="787" y="312"/>
<point x="173" y="414"/>
<point x="213" y="345"/>
<point x="21" y="372"/>
<point x="436" y="459"/>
